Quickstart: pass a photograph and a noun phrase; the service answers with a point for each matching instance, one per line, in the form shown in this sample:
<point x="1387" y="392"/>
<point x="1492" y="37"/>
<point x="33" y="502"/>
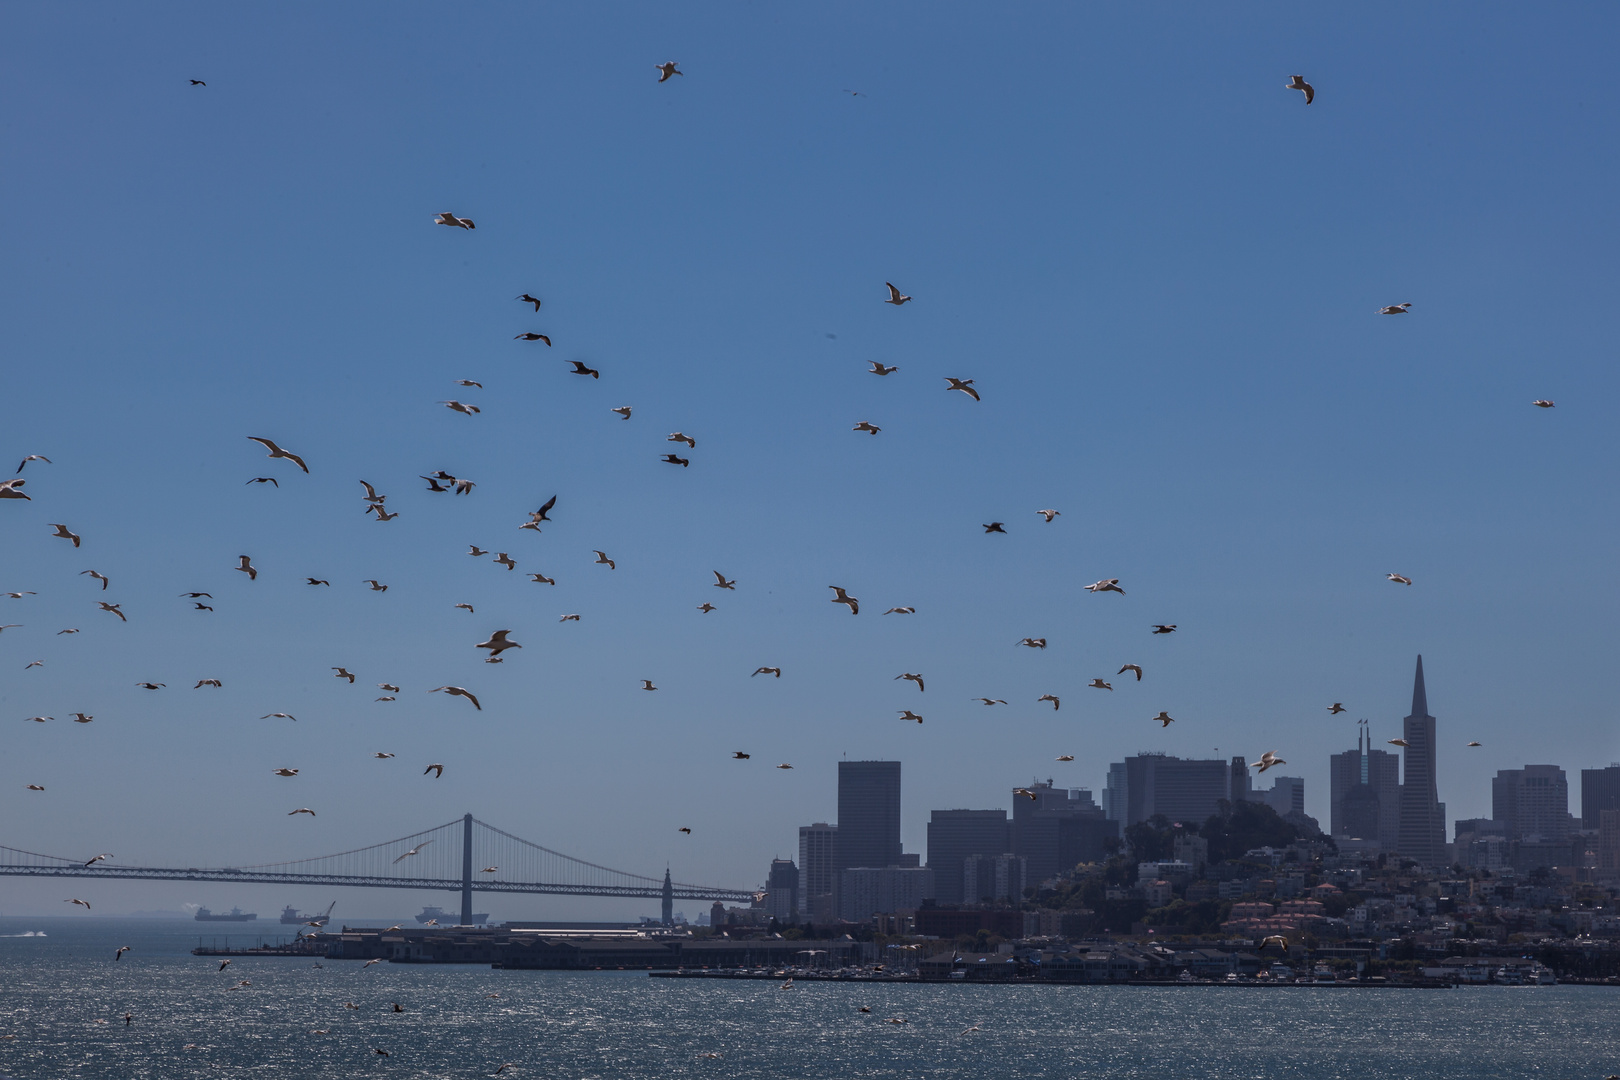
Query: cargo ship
<point x="441" y="917"/>
<point x="236" y="914"/>
<point x="291" y="917"/>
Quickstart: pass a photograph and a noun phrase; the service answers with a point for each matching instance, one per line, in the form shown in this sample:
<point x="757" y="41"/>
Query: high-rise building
<point x="990" y="879"/>
<point x="1365" y="793"/>
<point x="954" y="835"/>
<point x="1600" y="791"/>
<point x="1286" y="795"/>
<point x="1532" y="802"/>
<point x="1423" y="818"/>
<point x="868" y="814"/>
<point x="1186" y="791"/>
<point x="1055" y="829"/>
<point x="817" y="874"/>
<point x="782" y="891"/>
<point x="1609" y="844"/>
<point x="865" y="891"/>
<point x="1116" y="794"/>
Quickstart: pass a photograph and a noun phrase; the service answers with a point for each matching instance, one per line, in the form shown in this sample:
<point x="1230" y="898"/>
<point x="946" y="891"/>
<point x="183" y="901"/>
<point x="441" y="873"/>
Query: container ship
<point x="236" y="914"/>
<point x="441" y="917"/>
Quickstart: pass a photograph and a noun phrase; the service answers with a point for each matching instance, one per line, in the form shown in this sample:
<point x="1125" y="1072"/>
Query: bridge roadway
<point x="668" y="891"/>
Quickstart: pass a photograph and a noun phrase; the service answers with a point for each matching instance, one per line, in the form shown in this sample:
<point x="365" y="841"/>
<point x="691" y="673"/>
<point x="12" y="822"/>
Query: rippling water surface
<point x="64" y="998"/>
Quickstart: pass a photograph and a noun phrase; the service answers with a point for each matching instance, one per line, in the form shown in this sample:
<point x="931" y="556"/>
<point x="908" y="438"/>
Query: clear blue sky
<point x="1160" y="266"/>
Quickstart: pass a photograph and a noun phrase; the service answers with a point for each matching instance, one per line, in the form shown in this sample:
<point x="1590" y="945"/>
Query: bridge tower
<point x="669" y="899"/>
<point x="466" y="871"/>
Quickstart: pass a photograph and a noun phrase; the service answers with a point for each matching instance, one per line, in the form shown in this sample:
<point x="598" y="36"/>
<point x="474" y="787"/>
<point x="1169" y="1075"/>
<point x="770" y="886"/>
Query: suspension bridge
<point x="464" y="856"/>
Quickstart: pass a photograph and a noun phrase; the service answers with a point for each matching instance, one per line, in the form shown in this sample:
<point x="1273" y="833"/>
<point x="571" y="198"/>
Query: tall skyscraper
<point x="1600" y="791"/>
<point x="817" y="874"/>
<point x="955" y="835"/>
<point x="1057" y="830"/>
<point x="1116" y="793"/>
<point x="1286" y="795"/>
<point x="782" y="891"/>
<point x="1423" y="819"/>
<point x="1186" y="791"/>
<point x="868" y="814"/>
<point x="1365" y="793"/>
<point x="1532" y="802"/>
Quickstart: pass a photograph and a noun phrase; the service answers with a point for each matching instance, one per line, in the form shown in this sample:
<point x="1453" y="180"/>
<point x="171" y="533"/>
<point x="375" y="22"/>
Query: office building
<point x="1422" y="836"/>
<point x="1532" y="803"/>
<point x="782" y="891"/>
<point x="865" y="891"/>
<point x="1365" y="793"/>
<point x="1600" y="791"/>
<point x="1286" y="795"/>
<point x="1057" y="829"/>
<point x="1189" y="791"/>
<point x="868" y="814"/>
<point x="1609" y="845"/>
<point x="993" y="879"/>
<point x="817" y="874"/>
<point x="1116" y="794"/>
<point x="954" y="835"/>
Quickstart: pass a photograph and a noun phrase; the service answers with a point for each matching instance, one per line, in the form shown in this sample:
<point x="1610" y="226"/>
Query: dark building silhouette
<point x="782" y="891"/>
<point x="868" y="814"/>
<point x="1600" y="791"/>
<point x="1422" y="834"/>
<point x="817" y="875"/>
<point x="1365" y="793"/>
<point x="1058" y="829"/>
<point x="1532" y="802"/>
<point x="1182" y="790"/>
<point x="954" y="836"/>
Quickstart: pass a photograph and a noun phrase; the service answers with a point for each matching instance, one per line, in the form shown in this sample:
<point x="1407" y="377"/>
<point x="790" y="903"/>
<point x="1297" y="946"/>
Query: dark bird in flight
<point x="1106" y="585"/>
<point x="895" y="296"/>
<point x="706" y="607"/>
<point x="215" y="683"/>
<point x="198" y="82"/>
<point x="1164" y="628"/>
<point x="738" y="755"/>
<point x="151" y="685"/>
<point x="451" y="220"/>
<point x="248" y="568"/>
<point x="1033" y="642"/>
<point x="541" y="579"/>
<point x="964" y="385"/>
<point x="666" y="69"/>
<point x="98" y="576"/>
<point x="195" y="595"/>
<point x="436" y="769"/>
<point x="278" y="452"/>
<point x="1137" y="668"/>
<point x="842" y="597"/>
<point x="319" y="581"/>
<point x="61" y="530"/>
<point x="1335" y="708"/>
<point x="1395" y="309"/>
<point x="1297" y="82"/>
<point x="602" y="559"/>
<point x="1164" y="719"/>
<point x="119" y="955"/>
<point x="879" y="369"/>
<point x="720" y="581"/>
<point x="263" y="480"/>
<point x="199" y="606"/>
<point x="527" y="299"/>
<point x="685" y="830"/>
<point x="1542" y="404"/>
<point x="104" y="606"/>
<point x="768" y="671"/>
<point x="912" y="676"/>
<point x="675" y="460"/>
<point x="531" y="336"/>
<point x="995" y="526"/>
<point x="581" y="369"/>
<point x="867" y="426"/>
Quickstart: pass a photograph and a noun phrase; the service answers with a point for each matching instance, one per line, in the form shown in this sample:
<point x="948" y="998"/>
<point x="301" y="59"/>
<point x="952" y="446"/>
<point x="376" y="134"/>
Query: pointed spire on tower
<point x="1420" y="696"/>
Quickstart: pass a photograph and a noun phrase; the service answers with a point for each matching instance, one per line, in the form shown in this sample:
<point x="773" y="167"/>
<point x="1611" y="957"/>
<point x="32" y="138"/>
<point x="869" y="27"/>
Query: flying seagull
<point x="532" y="336"/>
<point x="497" y="643"/>
<point x="503" y="559"/>
<point x="469" y="608"/>
<point x="414" y="850"/>
<point x="784" y="765"/>
<point x="1019" y="792"/>
<point x="878" y="369"/>
<point x="569" y="618"/>
<point x="1395" y="309"/>
<point x="541" y="579"/>
<point x="684" y="829"/>
<point x="601" y="557"/>
<point x="98" y="858"/>
<point x="390" y="687"/>
<point x="61" y="530"/>
<point x="1137" y="668"/>
<point x="624" y="411"/>
<point x="767" y="671"/>
<point x="901" y="611"/>
<point x="681" y="436"/>
<point x="461" y="407"/>
<point x="376" y="586"/>
<point x="1065" y="757"/>
<point x="469" y="382"/>
<point x="119" y="955"/>
<point x="1053" y="698"/>
<point x="318" y="581"/>
<point x="1542" y="404"/>
<point x="344" y="673"/>
<point x="33" y="457"/>
<point x="371" y="493"/>
<point x="907" y="714"/>
<point x="912" y="676"/>
<point x="380" y="754"/>
<point x="1106" y="585"/>
<point x="277" y="716"/>
<point x="451" y="220"/>
<point x="285" y="772"/>
<point x="458" y="691"/>
<point x="301" y="810"/>
<point x="1100" y="684"/>
<point x="964" y="385"/>
<point x="1297" y="82"/>
<point x="1267" y="760"/>
<point x="1164" y="719"/>
<point x="720" y="581"/>
<point x="647" y="684"/>
<point x="675" y="460"/>
<point x="8" y="489"/>
<point x="993" y="701"/>
<point x="842" y="597"/>
<point x="738" y="755"/>
<point x="1398" y="742"/>
<point x="1399" y="579"/>
<point x="82" y="903"/>
<point x="866" y="426"/>
<point x="580" y="368"/>
<point x="215" y="683"/>
<point x="667" y="69"/>
<point x="707" y="607"/>
<point x="104" y="606"/>
<point x="278" y="452"/>
<point x="527" y="299"/>
<point x="996" y="527"/>
<point x="436" y="769"/>
<point x="98" y="576"/>
<point x="153" y="685"/>
<point x="1335" y="708"/>
<point x="1164" y="628"/>
<point x="264" y="480"/>
<point x="895" y="296"/>
<point x="1033" y="643"/>
<point x="248" y="568"/>
<point x="1473" y="744"/>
